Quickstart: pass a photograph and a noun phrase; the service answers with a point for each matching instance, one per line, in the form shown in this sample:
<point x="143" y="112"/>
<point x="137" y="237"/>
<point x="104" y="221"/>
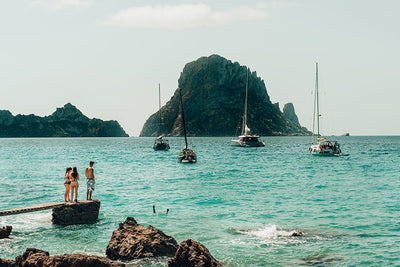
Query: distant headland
<point x="213" y="91"/>
<point x="67" y="121"/>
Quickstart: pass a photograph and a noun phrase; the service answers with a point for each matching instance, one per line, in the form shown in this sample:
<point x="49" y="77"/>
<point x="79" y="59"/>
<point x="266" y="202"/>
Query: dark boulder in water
<point x="8" y="263"/>
<point x="297" y="233"/>
<point x="134" y="241"/>
<point x="213" y="91"/>
<point x="191" y="253"/>
<point x="67" y="121"/>
<point x="35" y="257"/>
<point x="5" y="231"/>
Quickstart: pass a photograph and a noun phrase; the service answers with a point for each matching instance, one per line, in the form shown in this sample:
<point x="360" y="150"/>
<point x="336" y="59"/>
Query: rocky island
<point x="67" y="121"/>
<point x="213" y="91"/>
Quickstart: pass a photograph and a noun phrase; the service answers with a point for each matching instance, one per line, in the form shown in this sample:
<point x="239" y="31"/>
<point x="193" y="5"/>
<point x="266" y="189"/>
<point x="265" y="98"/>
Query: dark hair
<point x="68" y="169"/>
<point x="91" y="163"/>
<point x="74" y="172"/>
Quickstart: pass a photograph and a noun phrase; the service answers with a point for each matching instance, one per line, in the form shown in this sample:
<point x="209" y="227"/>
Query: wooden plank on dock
<point x="31" y="209"/>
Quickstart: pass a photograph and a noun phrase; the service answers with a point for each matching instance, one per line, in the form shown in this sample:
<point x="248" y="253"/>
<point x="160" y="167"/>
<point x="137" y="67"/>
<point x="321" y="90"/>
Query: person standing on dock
<point x="90" y="180"/>
<point x="67" y="184"/>
<point x="74" y="183"/>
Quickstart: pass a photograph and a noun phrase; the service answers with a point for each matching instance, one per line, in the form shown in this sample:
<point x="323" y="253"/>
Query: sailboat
<point x="187" y="155"/>
<point x="246" y="139"/>
<point x="160" y="143"/>
<point x="323" y="147"/>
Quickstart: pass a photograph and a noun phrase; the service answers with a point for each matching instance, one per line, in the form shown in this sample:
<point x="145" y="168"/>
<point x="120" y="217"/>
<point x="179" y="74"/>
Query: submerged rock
<point x="36" y="257"/>
<point x="76" y="213"/>
<point x="133" y="241"/>
<point x="297" y="233"/>
<point x="5" y="231"/>
<point x="192" y="253"/>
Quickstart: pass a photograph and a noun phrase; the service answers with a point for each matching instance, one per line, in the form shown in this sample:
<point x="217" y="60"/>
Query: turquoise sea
<point x="243" y="204"/>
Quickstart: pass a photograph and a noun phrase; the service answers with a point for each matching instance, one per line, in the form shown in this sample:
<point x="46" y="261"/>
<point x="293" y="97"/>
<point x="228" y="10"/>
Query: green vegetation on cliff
<point x="213" y="91"/>
<point x="67" y="121"/>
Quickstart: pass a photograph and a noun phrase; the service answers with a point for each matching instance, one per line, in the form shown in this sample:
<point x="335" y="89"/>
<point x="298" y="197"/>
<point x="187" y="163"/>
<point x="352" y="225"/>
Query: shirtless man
<point x="90" y="180"/>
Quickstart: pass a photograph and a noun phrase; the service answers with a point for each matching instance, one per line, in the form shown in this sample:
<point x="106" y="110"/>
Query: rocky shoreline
<point x="130" y="241"/>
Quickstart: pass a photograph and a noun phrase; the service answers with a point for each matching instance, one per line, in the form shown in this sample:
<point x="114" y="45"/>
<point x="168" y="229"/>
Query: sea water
<point x="243" y="204"/>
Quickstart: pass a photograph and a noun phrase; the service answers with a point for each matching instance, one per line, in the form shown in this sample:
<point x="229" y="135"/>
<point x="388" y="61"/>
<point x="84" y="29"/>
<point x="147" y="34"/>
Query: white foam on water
<point x="267" y="232"/>
<point x="28" y="221"/>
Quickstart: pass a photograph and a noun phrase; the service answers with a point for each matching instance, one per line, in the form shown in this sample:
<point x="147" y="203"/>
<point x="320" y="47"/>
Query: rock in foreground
<point x="192" y="253"/>
<point x="7" y="263"/>
<point x="134" y="241"/>
<point x="76" y="213"/>
<point x="5" y="231"/>
<point x="35" y="257"/>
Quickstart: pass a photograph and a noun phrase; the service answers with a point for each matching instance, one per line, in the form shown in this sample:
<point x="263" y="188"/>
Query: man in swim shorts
<point x="90" y="180"/>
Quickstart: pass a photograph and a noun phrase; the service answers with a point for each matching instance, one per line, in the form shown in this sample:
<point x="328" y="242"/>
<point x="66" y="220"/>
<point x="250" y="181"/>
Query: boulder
<point x="133" y="241"/>
<point x="5" y="231"/>
<point x="34" y="257"/>
<point x="86" y="211"/>
<point x="8" y="263"/>
<point x="192" y="253"/>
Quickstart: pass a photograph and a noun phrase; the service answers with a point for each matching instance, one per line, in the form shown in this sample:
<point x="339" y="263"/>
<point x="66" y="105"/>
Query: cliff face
<point x="213" y="90"/>
<point x="67" y="121"/>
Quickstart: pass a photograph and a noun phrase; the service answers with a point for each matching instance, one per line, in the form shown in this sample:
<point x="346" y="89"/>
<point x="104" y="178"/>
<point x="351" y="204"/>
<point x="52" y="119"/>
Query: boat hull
<point x="161" y="146"/>
<point x="239" y="143"/>
<point x="316" y="150"/>
<point x="187" y="156"/>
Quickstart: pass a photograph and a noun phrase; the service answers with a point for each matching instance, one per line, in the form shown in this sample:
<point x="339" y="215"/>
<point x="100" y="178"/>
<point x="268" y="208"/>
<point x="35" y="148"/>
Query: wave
<point x="270" y="232"/>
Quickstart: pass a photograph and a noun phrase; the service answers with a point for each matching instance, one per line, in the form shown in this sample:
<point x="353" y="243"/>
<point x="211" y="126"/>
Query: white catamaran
<point x="187" y="155"/>
<point x="246" y="139"/>
<point x="323" y="147"/>
<point x="160" y="143"/>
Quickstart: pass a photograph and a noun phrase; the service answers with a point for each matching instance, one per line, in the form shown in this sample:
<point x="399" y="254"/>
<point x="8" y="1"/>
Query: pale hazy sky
<point x="107" y="57"/>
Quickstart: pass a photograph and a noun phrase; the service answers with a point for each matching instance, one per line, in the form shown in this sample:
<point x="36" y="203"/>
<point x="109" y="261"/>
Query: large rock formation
<point x="133" y="241"/>
<point x="67" y="121"/>
<point x="34" y="257"/>
<point x="290" y="114"/>
<point x="192" y="254"/>
<point x="86" y="211"/>
<point x="213" y="91"/>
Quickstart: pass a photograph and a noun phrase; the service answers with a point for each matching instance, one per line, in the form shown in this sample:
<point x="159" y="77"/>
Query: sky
<point x="108" y="57"/>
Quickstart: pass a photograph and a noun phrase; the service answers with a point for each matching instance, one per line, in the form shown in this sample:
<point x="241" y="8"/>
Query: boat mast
<point x="159" y="108"/>
<point x="183" y="118"/>
<point x="316" y="105"/>
<point x="244" y="124"/>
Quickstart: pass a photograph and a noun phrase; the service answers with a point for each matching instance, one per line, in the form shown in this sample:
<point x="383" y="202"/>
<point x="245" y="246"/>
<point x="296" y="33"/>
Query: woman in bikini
<point x="74" y="183"/>
<point x="67" y="184"/>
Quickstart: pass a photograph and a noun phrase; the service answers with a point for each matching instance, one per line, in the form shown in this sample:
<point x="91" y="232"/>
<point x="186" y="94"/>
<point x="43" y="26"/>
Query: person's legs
<point x="68" y="189"/>
<point x="72" y="191"/>
<point x="90" y="194"/>
<point x="66" y="192"/>
<point x="76" y="192"/>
